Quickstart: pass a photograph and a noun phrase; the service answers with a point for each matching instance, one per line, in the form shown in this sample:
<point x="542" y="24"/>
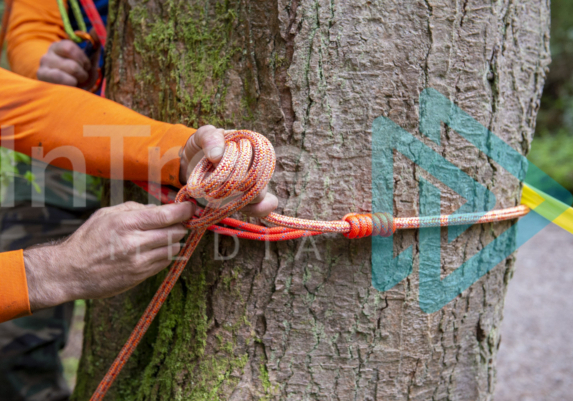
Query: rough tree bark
<point x="301" y="320"/>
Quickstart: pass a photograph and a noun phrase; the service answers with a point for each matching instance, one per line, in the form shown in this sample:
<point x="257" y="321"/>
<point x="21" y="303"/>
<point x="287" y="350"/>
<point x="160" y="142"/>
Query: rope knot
<point x="360" y="225"/>
<point x="384" y="225"/>
<point x="363" y="225"/>
<point x="244" y="171"/>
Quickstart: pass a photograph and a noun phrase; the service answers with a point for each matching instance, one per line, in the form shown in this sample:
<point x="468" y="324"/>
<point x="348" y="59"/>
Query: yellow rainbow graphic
<point x="534" y="199"/>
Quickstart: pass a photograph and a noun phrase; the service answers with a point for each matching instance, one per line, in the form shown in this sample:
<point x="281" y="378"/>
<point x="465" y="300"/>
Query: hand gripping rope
<point x="234" y="178"/>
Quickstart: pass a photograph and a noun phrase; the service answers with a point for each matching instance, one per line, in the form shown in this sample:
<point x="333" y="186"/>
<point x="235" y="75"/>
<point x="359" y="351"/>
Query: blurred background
<point x="552" y="148"/>
<point x="535" y="360"/>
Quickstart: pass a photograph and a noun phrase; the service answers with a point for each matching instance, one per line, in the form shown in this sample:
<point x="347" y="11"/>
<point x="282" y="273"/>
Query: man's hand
<point x="116" y="249"/>
<point x="210" y="141"/>
<point x="66" y="64"/>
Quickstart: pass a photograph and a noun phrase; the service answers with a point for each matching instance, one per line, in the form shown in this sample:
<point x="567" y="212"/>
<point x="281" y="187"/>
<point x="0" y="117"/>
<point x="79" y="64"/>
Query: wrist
<point x="45" y="277"/>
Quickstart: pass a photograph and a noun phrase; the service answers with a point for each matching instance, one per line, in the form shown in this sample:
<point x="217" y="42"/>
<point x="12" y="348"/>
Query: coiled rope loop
<point x="235" y="176"/>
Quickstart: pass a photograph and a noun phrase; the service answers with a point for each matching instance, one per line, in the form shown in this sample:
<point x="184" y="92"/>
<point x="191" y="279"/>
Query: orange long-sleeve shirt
<point x="34" y="25"/>
<point x="37" y="114"/>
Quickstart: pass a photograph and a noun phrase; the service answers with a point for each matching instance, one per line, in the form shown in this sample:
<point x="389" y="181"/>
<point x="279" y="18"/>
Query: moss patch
<point x="190" y="44"/>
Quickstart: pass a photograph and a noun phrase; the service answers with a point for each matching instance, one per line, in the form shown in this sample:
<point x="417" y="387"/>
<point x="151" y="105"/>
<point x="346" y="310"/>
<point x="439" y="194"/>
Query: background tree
<point x="300" y="319"/>
<point x="552" y="150"/>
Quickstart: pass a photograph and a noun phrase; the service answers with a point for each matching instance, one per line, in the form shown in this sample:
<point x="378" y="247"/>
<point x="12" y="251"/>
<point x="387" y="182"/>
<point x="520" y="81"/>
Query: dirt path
<point x="535" y="359"/>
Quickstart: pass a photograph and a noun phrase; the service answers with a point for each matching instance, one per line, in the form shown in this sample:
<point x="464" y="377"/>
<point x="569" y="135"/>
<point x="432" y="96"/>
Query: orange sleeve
<point x="53" y="116"/>
<point x="34" y="25"/>
<point x="34" y="113"/>
<point x="13" y="286"/>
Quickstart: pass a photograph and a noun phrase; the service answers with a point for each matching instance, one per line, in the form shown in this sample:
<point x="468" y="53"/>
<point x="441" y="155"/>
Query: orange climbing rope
<point x="353" y="225"/>
<point x="233" y="176"/>
<point x="237" y="178"/>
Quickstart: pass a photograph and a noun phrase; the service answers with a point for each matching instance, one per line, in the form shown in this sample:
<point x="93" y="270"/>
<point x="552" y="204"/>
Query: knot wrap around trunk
<point x="244" y="171"/>
<point x="235" y="176"/>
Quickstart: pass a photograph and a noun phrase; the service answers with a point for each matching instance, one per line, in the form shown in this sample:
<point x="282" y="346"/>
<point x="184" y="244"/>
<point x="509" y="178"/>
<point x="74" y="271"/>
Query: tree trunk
<point x="300" y="319"/>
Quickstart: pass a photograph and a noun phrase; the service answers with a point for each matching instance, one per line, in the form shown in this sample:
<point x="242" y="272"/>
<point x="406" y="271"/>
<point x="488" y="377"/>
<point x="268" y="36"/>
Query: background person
<point x="38" y="48"/>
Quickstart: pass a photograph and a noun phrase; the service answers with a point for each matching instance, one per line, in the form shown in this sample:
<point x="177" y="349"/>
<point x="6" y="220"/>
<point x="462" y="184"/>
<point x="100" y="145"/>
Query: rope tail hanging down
<point x="232" y="177"/>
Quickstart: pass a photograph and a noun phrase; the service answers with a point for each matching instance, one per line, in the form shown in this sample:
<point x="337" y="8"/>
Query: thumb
<point x="151" y="218"/>
<point x="208" y="139"/>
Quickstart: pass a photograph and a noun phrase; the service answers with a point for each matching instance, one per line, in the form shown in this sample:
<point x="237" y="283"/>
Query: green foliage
<point x="3" y="61"/>
<point x="552" y="147"/>
<point x="561" y="28"/>
<point x="9" y="159"/>
<point x="557" y="102"/>
<point x="550" y="155"/>
<point x="92" y="184"/>
<point x="9" y="170"/>
<point x="69" y="358"/>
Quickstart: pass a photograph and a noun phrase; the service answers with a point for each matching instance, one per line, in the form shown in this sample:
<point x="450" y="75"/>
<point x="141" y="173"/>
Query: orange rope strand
<point x="233" y="176"/>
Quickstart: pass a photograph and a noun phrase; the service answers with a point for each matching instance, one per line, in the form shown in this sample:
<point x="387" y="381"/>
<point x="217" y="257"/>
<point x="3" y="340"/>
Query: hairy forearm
<point x="116" y="249"/>
<point x="46" y="276"/>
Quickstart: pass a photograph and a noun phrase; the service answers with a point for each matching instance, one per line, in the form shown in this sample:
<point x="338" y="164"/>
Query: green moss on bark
<point x="192" y="46"/>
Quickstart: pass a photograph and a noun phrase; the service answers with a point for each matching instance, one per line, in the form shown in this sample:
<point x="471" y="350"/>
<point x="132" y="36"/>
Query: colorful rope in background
<point x="95" y="19"/>
<point x="82" y="35"/>
<point x="73" y="35"/>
